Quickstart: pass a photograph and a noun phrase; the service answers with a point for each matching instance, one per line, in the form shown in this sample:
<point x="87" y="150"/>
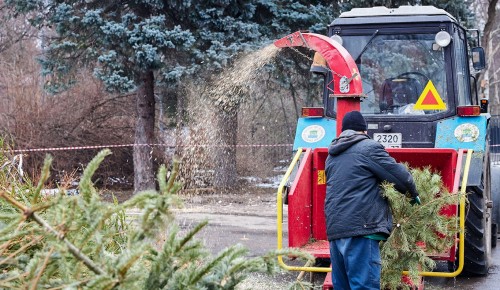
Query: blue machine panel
<point x="314" y="132"/>
<point x="462" y="133"/>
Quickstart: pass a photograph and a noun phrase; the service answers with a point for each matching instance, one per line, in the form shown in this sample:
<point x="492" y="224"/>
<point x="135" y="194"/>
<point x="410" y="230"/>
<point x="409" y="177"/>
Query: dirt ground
<point x="247" y="217"/>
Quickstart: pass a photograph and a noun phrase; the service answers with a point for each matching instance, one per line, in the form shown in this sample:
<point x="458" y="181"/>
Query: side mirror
<point x="478" y="59"/>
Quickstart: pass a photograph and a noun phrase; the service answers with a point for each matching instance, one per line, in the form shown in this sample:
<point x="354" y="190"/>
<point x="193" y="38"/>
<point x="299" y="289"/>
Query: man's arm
<point x="386" y="168"/>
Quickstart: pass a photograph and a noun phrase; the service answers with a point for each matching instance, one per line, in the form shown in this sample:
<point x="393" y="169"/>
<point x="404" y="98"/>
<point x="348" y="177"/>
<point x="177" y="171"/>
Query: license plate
<point x="389" y="140"/>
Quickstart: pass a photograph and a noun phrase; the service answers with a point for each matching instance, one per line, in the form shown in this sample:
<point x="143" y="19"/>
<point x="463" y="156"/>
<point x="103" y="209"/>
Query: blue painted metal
<point x="446" y="132"/>
<point x="314" y="133"/>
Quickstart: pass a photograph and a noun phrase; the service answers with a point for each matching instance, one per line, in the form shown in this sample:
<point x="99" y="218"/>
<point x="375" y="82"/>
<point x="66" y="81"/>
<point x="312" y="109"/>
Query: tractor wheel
<point x="477" y="235"/>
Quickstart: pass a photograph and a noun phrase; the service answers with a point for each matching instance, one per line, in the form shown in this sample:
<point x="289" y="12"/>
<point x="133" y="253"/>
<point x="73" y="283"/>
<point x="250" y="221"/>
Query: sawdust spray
<point x="218" y="101"/>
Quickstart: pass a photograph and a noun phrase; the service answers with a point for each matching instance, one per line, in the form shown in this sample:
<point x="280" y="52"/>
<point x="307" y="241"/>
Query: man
<point x="357" y="216"/>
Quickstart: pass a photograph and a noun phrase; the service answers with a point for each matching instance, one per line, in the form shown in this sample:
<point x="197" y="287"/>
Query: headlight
<point x="443" y="38"/>
<point x="337" y="39"/>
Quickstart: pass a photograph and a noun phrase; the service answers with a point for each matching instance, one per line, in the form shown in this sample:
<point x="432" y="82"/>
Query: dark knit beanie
<point x="354" y="121"/>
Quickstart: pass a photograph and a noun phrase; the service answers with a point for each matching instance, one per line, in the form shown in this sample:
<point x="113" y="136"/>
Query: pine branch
<point x="418" y="230"/>
<point x="173" y="175"/>
<point x="7" y="286"/>
<point x="86" y="187"/>
<point x="45" y="175"/>
<point x="29" y="214"/>
<point x="20" y="250"/>
<point x="40" y="272"/>
<point x="112" y="254"/>
<point x="9" y="242"/>
<point x="74" y="285"/>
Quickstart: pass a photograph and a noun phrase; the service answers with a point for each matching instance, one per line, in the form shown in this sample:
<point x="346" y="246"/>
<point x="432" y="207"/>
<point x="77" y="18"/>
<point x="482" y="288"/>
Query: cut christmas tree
<point x="419" y="230"/>
<point x="83" y="242"/>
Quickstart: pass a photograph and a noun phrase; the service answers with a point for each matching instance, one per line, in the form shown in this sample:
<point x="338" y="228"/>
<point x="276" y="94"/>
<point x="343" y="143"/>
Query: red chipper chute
<point x="347" y="85"/>
<point x="347" y="82"/>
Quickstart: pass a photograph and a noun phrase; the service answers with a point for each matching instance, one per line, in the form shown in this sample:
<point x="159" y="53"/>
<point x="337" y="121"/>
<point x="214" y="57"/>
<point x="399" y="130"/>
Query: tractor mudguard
<point x="476" y="171"/>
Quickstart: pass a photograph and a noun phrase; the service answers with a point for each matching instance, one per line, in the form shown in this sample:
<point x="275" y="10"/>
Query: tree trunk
<point x="490" y="72"/>
<point x="225" y="176"/>
<point x="144" y="134"/>
<point x="490" y="22"/>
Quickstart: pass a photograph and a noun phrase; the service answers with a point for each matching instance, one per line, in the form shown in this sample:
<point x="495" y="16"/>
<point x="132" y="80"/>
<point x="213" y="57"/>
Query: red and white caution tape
<point x="134" y="145"/>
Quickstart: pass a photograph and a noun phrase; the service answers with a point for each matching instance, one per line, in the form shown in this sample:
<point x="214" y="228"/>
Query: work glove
<point x="415" y="200"/>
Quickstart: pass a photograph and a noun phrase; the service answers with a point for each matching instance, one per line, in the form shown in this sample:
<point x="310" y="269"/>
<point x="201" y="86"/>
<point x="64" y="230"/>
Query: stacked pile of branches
<point x="82" y="242"/>
<point x="419" y="230"/>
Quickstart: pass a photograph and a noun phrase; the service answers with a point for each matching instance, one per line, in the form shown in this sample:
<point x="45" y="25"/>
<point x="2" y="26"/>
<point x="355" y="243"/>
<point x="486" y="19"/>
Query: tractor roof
<point x="403" y="14"/>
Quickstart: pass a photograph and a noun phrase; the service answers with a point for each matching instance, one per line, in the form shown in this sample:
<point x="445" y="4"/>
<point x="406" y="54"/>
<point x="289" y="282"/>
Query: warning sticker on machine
<point x="321" y="177"/>
<point x="430" y="99"/>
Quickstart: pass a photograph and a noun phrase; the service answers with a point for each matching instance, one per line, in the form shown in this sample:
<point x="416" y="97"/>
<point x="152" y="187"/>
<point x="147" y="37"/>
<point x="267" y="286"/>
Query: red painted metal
<point x="306" y="198"/>
<point x="319" y="194"/>
<point x="345" y="105"/>
<point x="341" y="64"/>
<point x="307" y="195"/>
<point x="453" y="210"/>
<point x="299" y="203"/>
<point x="337" y="57"/>
<point x="406" y="280"/>
<point x="441" y="160"/>
<point x="328" y="284"/>
<point x="319" y="249"/>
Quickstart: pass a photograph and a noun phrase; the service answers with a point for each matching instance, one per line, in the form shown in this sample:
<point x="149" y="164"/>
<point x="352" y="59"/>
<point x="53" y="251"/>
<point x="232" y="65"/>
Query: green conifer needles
<point x="419" y="231"/>
<point x="82" y="242"/>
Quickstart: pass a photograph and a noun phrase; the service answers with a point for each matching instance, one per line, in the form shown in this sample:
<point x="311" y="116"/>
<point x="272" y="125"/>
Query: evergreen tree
<point x="419" y="231"/>
<point x="134" y="45"/>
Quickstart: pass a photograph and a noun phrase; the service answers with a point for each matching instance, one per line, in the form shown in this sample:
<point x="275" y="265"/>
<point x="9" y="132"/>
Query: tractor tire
<point x="478" y="224"/>
<point x="477" y="235"/>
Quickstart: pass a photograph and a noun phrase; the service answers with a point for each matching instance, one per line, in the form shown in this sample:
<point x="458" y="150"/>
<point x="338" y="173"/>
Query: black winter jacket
<point x="355" y="167"/>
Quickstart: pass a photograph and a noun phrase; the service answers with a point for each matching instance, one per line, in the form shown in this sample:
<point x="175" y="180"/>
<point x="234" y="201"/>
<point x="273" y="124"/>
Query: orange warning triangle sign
<point x="429" y="99"/>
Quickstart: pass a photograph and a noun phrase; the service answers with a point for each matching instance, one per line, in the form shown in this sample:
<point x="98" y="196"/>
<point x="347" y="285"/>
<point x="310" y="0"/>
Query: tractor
<point x="407" y="70"/>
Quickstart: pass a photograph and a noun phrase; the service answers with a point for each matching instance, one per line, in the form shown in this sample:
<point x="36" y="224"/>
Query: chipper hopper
<point x="443" y="127"/>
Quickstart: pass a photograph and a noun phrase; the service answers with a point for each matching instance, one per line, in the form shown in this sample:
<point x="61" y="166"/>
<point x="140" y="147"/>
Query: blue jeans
<point x="355" y="263"/>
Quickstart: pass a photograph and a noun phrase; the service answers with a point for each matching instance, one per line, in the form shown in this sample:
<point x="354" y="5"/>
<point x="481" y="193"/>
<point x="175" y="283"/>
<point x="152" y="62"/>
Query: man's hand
<point x="415" y="200"/>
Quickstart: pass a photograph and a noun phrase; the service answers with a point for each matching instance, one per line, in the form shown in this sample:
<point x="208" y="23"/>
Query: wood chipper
<point x="407" y="71"/>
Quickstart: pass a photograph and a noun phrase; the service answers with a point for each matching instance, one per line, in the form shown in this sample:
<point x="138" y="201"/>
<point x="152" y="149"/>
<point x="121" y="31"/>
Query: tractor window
<point x="396" y="69"/>
<point x="461" y="68"/>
